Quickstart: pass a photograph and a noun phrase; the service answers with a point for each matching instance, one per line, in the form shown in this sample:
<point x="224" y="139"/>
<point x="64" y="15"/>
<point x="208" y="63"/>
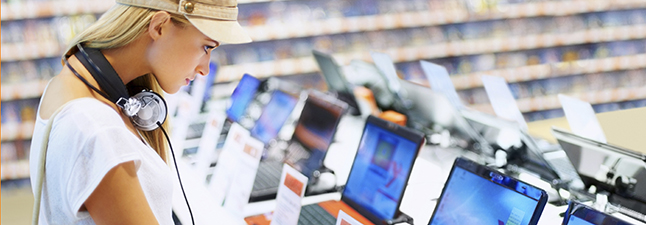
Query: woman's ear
<point x="159" y="20"/>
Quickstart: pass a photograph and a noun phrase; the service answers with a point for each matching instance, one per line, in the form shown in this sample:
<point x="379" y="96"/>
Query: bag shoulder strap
<point x="41" y="166"/>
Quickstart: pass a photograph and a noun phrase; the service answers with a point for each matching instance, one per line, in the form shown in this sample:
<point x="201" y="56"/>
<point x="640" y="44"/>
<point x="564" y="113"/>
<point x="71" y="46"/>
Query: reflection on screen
<point x="314" y="132"/>
<point x="580" y="214"/>
<point x="578" y="221"/>
<point x="471" y="199"/>
<point x="242" y="96"/>
<point x="380" y="170"/>
<point x="273" y="116"/>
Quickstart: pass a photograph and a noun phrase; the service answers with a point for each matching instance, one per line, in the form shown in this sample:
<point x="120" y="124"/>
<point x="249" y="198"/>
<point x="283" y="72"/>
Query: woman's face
<point x="179" y="54"/>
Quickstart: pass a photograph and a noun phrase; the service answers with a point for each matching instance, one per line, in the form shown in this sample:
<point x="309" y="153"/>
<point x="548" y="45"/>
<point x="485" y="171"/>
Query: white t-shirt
<point x="88" y="139"/>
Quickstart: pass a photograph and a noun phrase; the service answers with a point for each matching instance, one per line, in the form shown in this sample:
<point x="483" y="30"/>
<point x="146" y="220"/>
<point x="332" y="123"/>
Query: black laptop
<point x="476" y="194"/>
<point x="306" y="150"/>
<point x="580" y="214"/>
<point x="378" y="176"/>
<point x="336" y="82"/>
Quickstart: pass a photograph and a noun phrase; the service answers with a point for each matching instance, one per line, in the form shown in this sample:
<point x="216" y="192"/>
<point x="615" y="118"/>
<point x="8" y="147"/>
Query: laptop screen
<point x="474" y="194"/>
<point x="381" y="168"/>
<point x="314" y="132"/>
<point x="579" y="214"/>
<point x="242" y="96"/>
<point x="335" y="79"/>
<point x="273" y="116"/>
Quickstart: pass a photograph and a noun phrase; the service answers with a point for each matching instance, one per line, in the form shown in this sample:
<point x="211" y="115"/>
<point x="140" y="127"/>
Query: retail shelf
<point x="30" y="89"/>
<point x="37" y="9"/>
<point x="12" y="170"/>
<point x="32" y="50"/>
<point x="298" y="29"/>
<point x="304" y="65"/>
<point x="552" y="102"/>
<point x="40" y="9"/>
<point x="543" y="71"/>
<point x="17" y="131"/>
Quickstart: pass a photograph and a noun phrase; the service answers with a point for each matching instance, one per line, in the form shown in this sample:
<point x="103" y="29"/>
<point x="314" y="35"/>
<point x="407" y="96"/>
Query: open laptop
<point x="377" y="179"/>
<point x="620" y="171"/>
<point x="580" y="214"/>
<point x="336" y="81"/>
<point x="306" y="149"/>
<point x="476" y="194"/>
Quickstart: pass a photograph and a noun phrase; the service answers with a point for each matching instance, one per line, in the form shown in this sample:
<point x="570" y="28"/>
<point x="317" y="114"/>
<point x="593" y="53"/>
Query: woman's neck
<point x="129" y="61"/>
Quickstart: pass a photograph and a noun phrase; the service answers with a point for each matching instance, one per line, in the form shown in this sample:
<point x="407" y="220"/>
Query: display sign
<point x="580" y="115"/>
<point x="345" y="219"/>
<point x="228" y="161"/>
<point x="245" y="174"/>
<point x="289" y="196"/>
<point x="439" y="80"/>
<point x="502" y="101"/>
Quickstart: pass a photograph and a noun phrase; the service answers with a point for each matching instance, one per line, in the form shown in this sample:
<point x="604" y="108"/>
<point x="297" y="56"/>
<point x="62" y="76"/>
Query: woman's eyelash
<point x="208" y="47"/>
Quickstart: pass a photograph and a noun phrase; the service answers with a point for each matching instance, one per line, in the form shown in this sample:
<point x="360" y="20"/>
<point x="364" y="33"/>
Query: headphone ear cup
<point x="153" y="109"/>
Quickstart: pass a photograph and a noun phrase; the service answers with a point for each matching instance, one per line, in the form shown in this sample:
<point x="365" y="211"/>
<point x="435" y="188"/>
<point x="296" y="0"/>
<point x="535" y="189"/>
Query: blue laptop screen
<point x="578" y="221"/>
<point x="471" y="199"/>
<point x="242" y="96"/>
<point x="380" y="170"/>
<point x="273" y="116"/>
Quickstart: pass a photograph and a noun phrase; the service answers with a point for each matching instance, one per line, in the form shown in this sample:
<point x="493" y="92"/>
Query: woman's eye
<point x="208" y="48"/>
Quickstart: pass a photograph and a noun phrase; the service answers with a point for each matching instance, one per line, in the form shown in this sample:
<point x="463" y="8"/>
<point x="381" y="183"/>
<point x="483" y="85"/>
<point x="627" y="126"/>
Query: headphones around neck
<point x="145" y="109"/>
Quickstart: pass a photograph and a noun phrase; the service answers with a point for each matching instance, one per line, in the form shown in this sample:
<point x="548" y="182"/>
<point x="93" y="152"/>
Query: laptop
<point x="308" y="146"/>
<point x="608" y="167"/>
<point x="243" y="96"/>
<point x="377" y="179"/>
<point x="476" y="194"/>
<point x="336" y="81"/>
<point x="580" y="214"/>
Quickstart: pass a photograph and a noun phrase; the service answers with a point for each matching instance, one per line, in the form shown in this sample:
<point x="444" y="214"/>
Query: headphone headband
<point x="145" y="109"/>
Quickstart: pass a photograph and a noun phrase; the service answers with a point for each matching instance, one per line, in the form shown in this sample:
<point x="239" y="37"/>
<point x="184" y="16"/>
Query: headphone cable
<point x="177" y="170"/>
<point x="158" y="124"/>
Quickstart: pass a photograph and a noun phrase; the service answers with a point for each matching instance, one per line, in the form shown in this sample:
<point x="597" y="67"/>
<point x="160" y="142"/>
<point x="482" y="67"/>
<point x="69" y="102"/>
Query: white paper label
<point x="245" y="175"/>
<point x="208" y="143"/>
<point x="387" y="67"/>
<point x="289" y="196"/>
<point x="345" y="219"/>
<point x="502" y="100"/>
<point x="440" y="81"/>
<point x="227" y="162"/>
<point x="582" y="119"/>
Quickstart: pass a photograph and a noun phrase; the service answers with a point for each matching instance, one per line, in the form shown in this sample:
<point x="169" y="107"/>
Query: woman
<point x="99" y="167"/>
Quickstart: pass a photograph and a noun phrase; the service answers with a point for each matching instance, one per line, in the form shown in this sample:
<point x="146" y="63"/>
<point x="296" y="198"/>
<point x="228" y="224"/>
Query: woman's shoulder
<point x="88" y="114"/>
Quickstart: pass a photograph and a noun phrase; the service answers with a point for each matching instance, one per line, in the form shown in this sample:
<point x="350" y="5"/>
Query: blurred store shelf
<point x="29" y="89"/>
<point x="594" y="97"/>
<point x="305" y="65"/>
<point x="560" y="69"/>
<point x="12" y="170"/>
<point x="39" y="9"/>
<point x="12" y="131"/>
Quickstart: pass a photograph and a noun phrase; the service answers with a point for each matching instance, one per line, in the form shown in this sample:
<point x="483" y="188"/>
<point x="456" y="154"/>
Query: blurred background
<point x="594" y="50"/>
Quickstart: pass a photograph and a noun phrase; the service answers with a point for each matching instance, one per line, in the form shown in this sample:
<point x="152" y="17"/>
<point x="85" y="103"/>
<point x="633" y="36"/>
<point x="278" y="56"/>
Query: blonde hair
<point x="119" y="26"/>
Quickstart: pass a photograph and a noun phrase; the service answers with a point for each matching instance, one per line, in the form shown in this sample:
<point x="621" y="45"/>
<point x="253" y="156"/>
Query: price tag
<point x="245" y="175"/>
<point x="345" y="219"/>
<point x="502" y="101"/>
<point x="227" y="162"/>
<point x="582" y="119"/>
<point x="289" y="197"/>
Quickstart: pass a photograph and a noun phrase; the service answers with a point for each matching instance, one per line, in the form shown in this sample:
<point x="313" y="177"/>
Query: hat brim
<point x="223" y="31"/>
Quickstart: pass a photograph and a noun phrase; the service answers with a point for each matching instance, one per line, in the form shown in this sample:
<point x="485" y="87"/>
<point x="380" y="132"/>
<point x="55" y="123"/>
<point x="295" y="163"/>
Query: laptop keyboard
<point x="268" y="175"/>
<point x="315" y="215"/>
